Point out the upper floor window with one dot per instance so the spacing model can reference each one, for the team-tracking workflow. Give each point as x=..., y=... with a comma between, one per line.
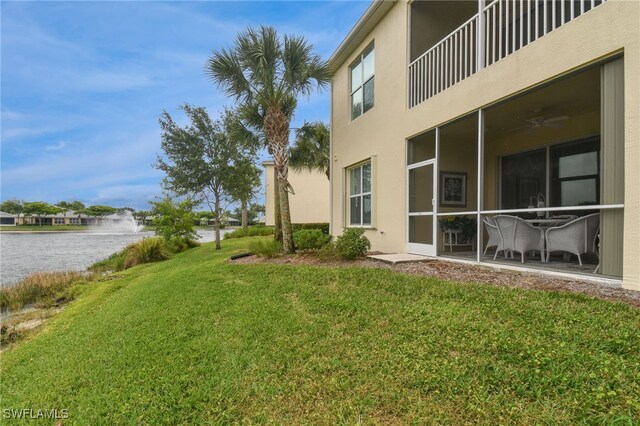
x=360, y=195
x=362, y=81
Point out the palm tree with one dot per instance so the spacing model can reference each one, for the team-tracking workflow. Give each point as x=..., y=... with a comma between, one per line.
x=311, y=148
x=266, y=75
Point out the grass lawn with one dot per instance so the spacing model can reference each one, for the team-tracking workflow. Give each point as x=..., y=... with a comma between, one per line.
x=194, y=340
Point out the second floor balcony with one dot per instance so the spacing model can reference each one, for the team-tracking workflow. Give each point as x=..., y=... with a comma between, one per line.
x=451, y=40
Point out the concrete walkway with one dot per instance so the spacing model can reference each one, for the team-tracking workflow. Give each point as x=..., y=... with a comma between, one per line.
x=395, y=258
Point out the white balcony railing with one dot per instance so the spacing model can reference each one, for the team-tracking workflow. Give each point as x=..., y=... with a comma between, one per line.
x=506, y=26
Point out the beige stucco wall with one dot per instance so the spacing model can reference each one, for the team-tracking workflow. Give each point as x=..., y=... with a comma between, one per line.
x=610, y=28
x=309, y=204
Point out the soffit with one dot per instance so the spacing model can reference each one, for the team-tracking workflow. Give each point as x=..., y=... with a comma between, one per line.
x=360, y=30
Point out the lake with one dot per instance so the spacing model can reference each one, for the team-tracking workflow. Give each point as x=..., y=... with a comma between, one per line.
x=22, y=253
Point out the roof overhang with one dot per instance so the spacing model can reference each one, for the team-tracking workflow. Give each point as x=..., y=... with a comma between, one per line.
x=374, y=13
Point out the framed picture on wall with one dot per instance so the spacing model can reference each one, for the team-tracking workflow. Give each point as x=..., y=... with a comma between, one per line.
x=453, y=189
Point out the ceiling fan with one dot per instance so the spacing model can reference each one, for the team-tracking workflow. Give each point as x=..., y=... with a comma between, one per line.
x=540, y=121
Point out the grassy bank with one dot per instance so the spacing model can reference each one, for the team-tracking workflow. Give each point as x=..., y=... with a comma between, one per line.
x=194, y=340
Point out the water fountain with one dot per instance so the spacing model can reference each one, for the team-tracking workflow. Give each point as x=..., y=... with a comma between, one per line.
x=122, y=222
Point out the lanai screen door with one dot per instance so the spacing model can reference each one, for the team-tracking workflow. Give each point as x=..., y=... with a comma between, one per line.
x=422, y=200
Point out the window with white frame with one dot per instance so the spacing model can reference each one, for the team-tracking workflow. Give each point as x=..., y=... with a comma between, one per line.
x=362, y=83
x=360, y=195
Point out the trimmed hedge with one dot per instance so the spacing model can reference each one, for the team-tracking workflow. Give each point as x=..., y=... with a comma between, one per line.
x=310, y=239
x=324, y=227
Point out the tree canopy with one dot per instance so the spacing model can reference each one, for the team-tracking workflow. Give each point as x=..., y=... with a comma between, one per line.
x=99, y=210
x=12, y=206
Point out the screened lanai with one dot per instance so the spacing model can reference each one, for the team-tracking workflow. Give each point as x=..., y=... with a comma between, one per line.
x=536, y=180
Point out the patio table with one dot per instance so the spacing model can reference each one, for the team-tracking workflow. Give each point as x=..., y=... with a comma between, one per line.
x=548, y=222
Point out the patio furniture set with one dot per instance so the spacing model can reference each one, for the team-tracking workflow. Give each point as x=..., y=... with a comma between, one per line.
x=510, y=234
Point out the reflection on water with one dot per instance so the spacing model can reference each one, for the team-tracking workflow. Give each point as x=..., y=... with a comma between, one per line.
x=22, y=253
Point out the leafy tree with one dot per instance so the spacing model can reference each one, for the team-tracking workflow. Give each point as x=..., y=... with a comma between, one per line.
x=99, y=210
x=142, y=214
x=39, y=209
x=253, y=212
x=204, y=216
x=200, y=160
x=311, y=148
x=266, y=75
x=12, y=206
x=245, y=187
x=76, y=206
x=175, y=219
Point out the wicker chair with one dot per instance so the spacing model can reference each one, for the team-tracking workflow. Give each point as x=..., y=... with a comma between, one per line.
x=577, y=237
x=495, y=240
x=520, y=236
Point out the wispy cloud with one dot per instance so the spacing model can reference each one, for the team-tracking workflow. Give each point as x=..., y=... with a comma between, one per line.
x=57, y=147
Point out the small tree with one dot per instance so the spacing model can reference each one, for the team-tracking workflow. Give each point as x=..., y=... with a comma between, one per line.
x=175, y=219
x=99, y=211
x=39, y=209
x=245, y=187
x=12, y=206
x=200, y=160
x=73, y=205
x=253, y=212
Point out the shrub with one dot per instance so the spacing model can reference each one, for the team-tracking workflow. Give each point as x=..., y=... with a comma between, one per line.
x=115, y=262
x=266, y=248
x=145, y=251
x=327, y=252
x=251, y=231
x=174, y=219
x=352, y=244
x=37, y=287
x=310, y=239
x=180, y=244
x=324, y=227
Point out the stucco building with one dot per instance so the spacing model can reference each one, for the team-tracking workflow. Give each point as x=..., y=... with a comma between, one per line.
x=465, y=111
x=310, y=201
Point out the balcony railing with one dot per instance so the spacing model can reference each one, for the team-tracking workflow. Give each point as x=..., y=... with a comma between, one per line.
x=506, y=26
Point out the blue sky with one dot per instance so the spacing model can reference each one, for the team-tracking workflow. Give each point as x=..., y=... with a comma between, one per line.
x=83, y=85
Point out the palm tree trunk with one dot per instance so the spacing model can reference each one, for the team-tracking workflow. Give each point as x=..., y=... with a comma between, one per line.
x=285, y=212
x=244, y=215
x=276, y=127
x=277, y=220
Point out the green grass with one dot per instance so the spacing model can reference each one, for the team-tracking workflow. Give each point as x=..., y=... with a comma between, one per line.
x=194, y=340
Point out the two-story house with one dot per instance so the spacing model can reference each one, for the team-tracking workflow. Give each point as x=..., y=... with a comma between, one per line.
x=503, y=132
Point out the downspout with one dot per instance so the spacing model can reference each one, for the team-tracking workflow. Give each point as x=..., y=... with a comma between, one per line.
x=331, y=161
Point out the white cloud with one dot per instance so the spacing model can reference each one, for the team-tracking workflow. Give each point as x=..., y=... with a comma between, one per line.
x=57, y=147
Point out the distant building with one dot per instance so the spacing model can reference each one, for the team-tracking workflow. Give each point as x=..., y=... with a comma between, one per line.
x=7, y=219
x=310, y=201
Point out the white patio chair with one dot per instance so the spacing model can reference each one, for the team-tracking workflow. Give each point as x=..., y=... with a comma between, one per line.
x=520, y=236
x=577, y=237
x=495, y=240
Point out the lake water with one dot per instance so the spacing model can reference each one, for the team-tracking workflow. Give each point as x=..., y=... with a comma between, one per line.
x=22, y=253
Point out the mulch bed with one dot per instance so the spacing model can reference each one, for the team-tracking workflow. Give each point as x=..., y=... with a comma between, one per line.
x=460, y=272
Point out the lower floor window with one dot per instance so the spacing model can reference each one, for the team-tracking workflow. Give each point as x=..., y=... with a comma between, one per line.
x=360, y=195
